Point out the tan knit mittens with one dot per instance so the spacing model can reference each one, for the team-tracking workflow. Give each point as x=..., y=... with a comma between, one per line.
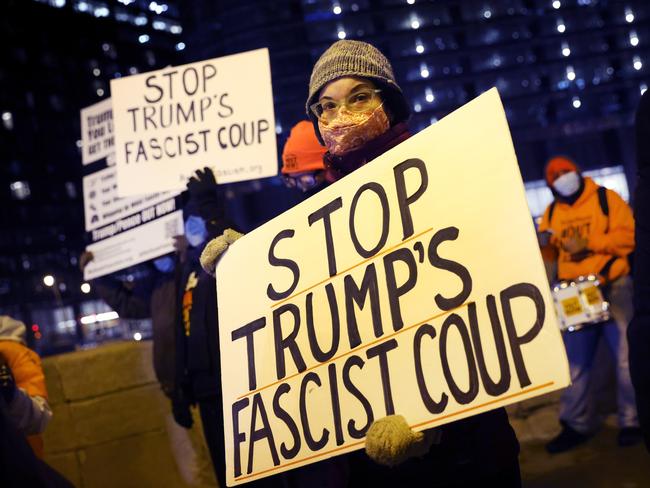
x=390, y=441
x=215, y=248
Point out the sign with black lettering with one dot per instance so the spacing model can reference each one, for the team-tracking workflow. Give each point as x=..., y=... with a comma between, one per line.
x=97, y=132
x=413, y=286
x=121, y=232
x=216, y=113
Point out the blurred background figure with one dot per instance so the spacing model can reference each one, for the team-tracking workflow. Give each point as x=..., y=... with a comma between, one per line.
x=22, y=383
x=24, y=412
x=155, y=296
x=591, y=230
x=19, y=466
x=302, y=159
x=197, y=360
x=639, y=331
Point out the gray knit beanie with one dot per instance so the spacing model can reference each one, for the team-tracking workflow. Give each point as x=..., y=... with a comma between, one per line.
x=357, y=58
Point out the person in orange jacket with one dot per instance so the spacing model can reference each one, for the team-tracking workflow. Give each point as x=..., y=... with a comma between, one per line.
x=22, y=384
x=591, y=231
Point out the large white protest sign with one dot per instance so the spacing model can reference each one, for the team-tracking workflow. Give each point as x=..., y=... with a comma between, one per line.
x=97, y=132
x=122, y=231
x=216, y=113
x=413, y=286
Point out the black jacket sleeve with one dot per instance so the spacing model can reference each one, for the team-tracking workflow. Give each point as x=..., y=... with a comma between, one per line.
x=128, y=303
x=212, y=209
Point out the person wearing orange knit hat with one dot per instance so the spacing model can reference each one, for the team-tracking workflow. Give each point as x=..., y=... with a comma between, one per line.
x=591, y=231
x=302, y=158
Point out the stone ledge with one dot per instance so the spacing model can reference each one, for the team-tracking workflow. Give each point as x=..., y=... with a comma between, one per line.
x=118, y=415
x=60, y=434
x=106, y=369
x=53, y=382
x=140, y=461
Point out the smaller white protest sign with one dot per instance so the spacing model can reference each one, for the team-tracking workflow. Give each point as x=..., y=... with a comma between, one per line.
x=96, y=132
x=216, y=113
x=141, y=243
x=102, y=205
x=122, y=231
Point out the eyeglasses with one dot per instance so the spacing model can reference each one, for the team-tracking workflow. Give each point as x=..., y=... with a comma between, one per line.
x=359, y=101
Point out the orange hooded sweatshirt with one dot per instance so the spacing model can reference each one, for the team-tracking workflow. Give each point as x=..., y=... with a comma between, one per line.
x=26, y=367
x=608, y=236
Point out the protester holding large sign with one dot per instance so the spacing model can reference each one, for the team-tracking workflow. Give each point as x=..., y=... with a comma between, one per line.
x=359, y=112
x=391, y=291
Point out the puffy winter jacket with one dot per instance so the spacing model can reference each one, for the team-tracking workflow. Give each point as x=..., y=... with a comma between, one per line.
x=610, y=237
x=29, y=410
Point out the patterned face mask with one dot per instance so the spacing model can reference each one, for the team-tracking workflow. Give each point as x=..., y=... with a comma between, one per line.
x=351, y=130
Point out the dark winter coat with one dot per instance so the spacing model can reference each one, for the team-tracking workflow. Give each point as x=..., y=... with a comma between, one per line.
x=639, y=329
x=155, y=297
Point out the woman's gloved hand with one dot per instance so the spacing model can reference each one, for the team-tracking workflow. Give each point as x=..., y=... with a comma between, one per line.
x=215, y=248
x=202, y=183
x=390, y=441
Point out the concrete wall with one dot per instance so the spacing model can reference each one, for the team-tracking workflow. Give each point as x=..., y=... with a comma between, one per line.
x=109, y=424
x=111, y=421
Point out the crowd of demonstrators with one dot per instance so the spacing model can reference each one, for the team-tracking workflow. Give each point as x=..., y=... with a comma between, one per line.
x=639, y=331
x=24, y=412
x=357, y=112
x=590, y=230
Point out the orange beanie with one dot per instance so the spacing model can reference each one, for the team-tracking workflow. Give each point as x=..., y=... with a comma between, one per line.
x=302, y=151
x=558, y=164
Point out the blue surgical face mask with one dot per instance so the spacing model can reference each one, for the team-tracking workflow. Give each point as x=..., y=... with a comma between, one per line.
x=195, y=230
x=164, y=264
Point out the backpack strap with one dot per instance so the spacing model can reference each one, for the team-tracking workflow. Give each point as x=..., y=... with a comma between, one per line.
x=551, y=209
x=604, y=205
x=604, y=271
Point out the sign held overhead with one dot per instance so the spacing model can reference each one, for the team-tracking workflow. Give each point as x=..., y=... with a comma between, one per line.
x=216, y=113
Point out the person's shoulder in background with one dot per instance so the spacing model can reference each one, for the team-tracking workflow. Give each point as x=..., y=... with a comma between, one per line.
x=643, y=132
